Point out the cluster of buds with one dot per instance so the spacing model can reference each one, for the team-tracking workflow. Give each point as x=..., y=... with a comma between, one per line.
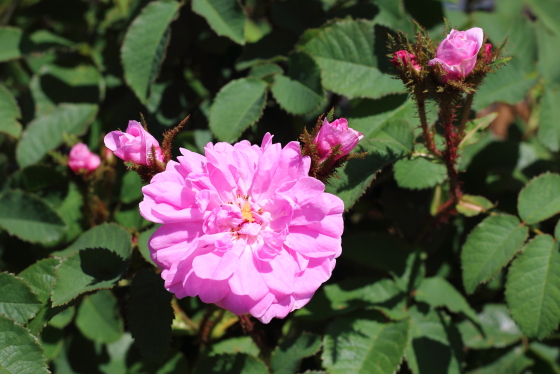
x=139, y=150
x=329, y=146
x=457, y=66
x=449, y=73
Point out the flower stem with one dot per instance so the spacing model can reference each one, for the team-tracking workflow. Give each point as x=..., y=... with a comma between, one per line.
x=428, y=136
x=450, y=154
x=249, y=328
x=465, y=118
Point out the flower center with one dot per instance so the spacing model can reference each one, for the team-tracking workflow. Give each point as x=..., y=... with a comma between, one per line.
x=246, y=212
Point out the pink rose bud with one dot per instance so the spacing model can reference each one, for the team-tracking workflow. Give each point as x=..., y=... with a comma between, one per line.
x=457, y=53
x=134, y=145
x=82, y=160
x=404, y=58
x=335, y=133
x=488, y=52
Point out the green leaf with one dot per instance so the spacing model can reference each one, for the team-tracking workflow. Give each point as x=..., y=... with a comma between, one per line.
x=498, y=329
x=40, y=277
x=264, y=70
x=107, y=235
x=354, y=293
x=545, y=10
x=301, y=91
x=370, y=115
x=514, y=362
x=98, y=318
x=548, y=54
x=533, y=287
x=546, y=358
x=344, y=52
x=150, y=315
x=131, y=187
x=62, y=319
x=386, y=252
x=20, y=353
x=242, y=344
x=474, y=128
x=46, y=132
x=145, y=44
x=540, y=198
x=439, y=292
x=9, y=113
x=17, y=300
x=13, y=43
x=435, y=344
x=392, y=15
x=287, y=356
x=230, y=364
x=29, y=217
x=89, y=269
x=509, y=85
x=238, y=105
x=471, y=206
x=387, y=145
x=419, y=173
x=557, y=230
x=56, y=84
x=51, y=340
x=489, y=247
x=143, y=239
x=71, y=212
x=364, y=344
x=39, y=179
x=175, y=363
x=118, y=352
x=549, y=131
x=225, y=17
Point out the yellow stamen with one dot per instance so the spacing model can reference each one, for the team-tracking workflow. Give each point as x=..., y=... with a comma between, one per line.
x=246, y=212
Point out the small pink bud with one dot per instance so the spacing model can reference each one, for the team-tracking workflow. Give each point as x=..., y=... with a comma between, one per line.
x=404, y=58
x=81, y=160
x=333, y=134
x=488, y=52
x=457, y=53
x=134, y=145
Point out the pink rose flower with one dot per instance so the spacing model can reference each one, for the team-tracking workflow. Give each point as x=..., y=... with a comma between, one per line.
x=334, y=133
x=134, y=145
x=81, y=160
x=244, y=228
x=404, y=59
x=457, y=53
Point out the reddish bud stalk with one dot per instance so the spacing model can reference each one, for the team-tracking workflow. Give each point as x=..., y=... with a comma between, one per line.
x=450, y=154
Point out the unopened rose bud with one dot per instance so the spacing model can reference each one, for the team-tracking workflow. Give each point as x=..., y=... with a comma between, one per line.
x=82, y=160
x=457, y=53
x=134, y=145
x=333, y=134
x=404, y=58
x=488, y=52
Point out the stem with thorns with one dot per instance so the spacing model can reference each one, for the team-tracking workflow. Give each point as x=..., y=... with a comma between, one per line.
x=465, y=118
x=450, y=153
x=428, y=136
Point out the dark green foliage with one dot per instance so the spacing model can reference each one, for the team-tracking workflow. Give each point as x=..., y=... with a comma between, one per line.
x=450, y=260
x=150, y=315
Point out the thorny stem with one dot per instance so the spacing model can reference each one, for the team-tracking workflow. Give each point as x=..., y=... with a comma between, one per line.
x=465, y=118
x=450, y=153
x=428, y=136
x=206, y=325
